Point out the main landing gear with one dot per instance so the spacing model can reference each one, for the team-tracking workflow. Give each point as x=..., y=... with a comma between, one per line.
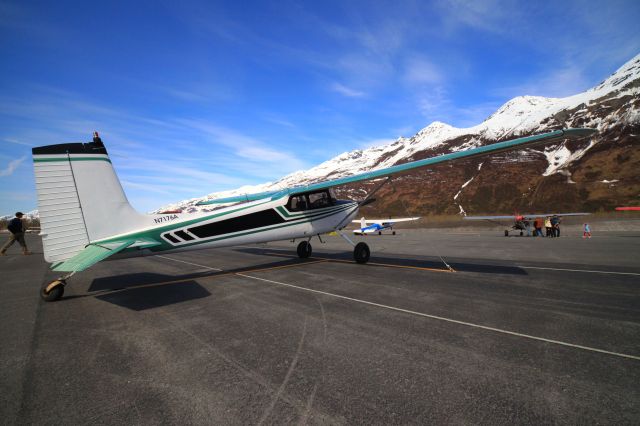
x=361, y=253
x=304, y=250
x=53, y=291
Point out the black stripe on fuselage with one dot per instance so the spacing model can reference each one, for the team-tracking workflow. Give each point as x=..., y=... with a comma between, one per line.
x=171, y=238
x=237, y=224
x=184, y=235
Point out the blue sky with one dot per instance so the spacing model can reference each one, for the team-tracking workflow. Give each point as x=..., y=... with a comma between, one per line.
x=193, y=97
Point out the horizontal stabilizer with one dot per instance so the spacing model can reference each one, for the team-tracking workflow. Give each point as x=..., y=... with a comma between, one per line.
x=91, y=255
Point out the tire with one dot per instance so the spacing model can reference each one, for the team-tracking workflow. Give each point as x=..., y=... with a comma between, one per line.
x=379, y=232
x=393, y=233
x=361, y=253
x=54, y=294
x=506, y=233
x=304, y=250
x=521, y=233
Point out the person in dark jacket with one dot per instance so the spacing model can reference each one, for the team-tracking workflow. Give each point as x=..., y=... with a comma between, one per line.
x=16, y=233
x=96, y=138
x=555, y=224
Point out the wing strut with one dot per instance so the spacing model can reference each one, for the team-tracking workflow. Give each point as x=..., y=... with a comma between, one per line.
x=347, y=239
x=368, y=199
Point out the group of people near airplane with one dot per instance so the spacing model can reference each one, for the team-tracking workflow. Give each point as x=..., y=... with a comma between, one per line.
x=550, y=223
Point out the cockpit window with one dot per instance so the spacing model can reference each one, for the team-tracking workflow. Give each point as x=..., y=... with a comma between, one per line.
x=318, y=200
x=314, y=200
x=297, y=203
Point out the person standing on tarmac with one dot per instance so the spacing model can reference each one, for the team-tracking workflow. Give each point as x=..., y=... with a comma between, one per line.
x=555, y=226
x=537, y=224
x=547, y=224
x=16, y=233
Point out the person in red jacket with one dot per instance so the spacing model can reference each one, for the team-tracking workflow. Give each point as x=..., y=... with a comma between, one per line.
x=538, y=223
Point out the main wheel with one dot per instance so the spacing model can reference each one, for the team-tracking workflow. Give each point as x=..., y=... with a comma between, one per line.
x=53, y=291
x=379, y=232
x=506, y=233
x=304, y=250
x=393, y=233
x=521, y=233
x=361, y=253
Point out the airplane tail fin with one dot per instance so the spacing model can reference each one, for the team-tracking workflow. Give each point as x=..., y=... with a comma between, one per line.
x=80, y=198
x=363, y=223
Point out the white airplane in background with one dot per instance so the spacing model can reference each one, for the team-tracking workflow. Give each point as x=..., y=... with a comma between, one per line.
x=378, y=225
x=85, y=216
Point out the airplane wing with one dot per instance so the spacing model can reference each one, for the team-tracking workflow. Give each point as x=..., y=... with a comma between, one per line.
x=381, y=221
x=512, y=217
x=524, y=216
x=526, y=142
x=401, y=219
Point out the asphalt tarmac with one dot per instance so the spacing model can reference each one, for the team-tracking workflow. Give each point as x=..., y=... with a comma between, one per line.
x=519, y=331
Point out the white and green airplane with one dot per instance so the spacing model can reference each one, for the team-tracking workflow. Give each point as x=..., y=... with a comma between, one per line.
x=86, y=218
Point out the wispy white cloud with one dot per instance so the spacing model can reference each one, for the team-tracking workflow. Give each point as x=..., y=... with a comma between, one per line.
x=561, y=82
x=272, y=118
x=346, y=91
x=419, y=70
x=12, y=166
x=247, y=147
x=432, y=101
x=18, y=142
x=487, y=15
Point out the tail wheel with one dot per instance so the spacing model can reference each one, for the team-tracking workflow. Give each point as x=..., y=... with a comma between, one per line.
x=53, y=291
x=361, y=253
x=304, y=250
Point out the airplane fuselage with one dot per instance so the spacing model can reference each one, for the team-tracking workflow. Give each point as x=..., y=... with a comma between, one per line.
x=249, y=223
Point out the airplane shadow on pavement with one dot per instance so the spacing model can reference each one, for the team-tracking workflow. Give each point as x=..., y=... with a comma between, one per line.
x=377, y=260
x=146, y=290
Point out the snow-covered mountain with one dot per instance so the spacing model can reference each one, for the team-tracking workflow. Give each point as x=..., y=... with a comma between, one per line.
x=612, y=104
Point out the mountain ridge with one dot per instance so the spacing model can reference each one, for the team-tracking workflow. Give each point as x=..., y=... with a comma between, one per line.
x=613, y=103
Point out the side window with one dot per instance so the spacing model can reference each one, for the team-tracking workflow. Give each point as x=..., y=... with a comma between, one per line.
x=319, y=199
x=297, y=203
x=332, y=195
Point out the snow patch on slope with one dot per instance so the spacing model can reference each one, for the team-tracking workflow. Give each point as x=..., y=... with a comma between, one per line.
x=561, y=157
x=455, y=197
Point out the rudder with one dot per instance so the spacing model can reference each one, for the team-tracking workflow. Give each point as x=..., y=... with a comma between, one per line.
x=80, y=198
